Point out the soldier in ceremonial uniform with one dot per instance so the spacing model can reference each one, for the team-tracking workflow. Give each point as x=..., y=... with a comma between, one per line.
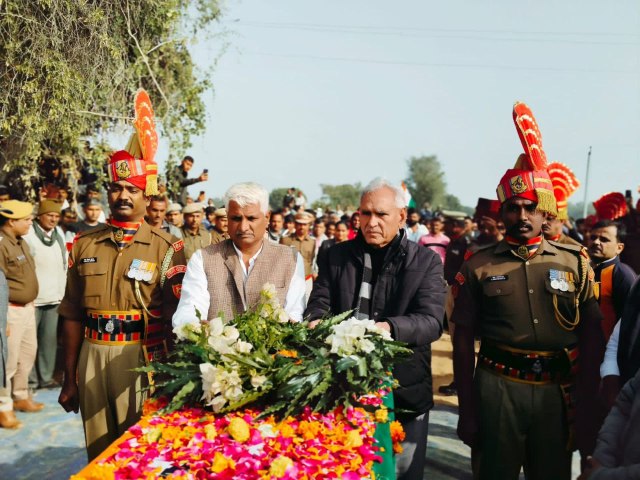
x=123, y=286
x=531, y=302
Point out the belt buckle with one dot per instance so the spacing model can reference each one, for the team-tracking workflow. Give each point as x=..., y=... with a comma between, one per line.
x=110, y=326
x=537, y=366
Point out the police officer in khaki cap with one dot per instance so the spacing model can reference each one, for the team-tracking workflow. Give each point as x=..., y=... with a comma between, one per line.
x=194, y=234
x=302, y=242
x=123, y=285
x=17, y=263
x=220, y=226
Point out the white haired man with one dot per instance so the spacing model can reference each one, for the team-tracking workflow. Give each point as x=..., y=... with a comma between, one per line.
x=227, y=277
x=396, y=282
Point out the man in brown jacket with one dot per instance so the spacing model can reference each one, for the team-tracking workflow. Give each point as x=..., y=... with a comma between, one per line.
x=19, y=268
x=226, y=278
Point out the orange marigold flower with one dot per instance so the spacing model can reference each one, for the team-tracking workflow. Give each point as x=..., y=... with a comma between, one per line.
x=397, y=432
x=354, y=439
x=397, y=448
x=288, y=353
x=221, y=463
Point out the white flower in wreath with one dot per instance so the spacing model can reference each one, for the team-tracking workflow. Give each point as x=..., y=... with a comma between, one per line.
x=257, y=381
x=350, y=336
x=269, y=291
x=222, y=337
x=189, y=330
x=243, y=347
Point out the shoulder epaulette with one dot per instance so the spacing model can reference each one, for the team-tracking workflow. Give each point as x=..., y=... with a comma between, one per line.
x=92, y=231
x=473, y=249
x=167, y=237
x=567, y=246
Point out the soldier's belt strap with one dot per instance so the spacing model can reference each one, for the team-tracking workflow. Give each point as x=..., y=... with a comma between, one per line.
x=528, y=366
x=116, y=327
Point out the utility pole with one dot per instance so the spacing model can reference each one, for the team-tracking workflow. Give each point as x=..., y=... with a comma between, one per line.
x=586, y=186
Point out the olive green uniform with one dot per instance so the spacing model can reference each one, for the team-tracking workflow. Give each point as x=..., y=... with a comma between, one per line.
x=19, y=267
x=217, y=237
x=306, y=247
x=521, y=307
x=125, y=299
x=194, y=242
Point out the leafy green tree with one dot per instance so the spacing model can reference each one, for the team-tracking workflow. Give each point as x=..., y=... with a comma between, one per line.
x=70, y=69
x=345, y=196
x=425, y=180
x=276, y=196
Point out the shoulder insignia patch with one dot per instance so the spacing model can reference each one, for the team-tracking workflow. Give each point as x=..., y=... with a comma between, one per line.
x=173, y=271
x=468, y=254
x=460, y=278
x=177, y=290
x=179, y=245
x=70, y=262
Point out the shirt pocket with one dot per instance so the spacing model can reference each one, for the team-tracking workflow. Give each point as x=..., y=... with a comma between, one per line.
x=565, y=301
x=497, y=289
x=94, y=279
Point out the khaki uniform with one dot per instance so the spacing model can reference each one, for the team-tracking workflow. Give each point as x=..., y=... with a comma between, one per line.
x=125, y=321
x=306, y=247
x=193, y=243
x=525, y=308
x=19, y=268
x=217, y=237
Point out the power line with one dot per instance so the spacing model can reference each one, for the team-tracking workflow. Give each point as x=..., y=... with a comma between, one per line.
x=440, y=65
x=446, y=33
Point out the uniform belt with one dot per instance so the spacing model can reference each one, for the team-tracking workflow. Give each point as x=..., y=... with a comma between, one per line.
x=528, y=366
x=115, y=326
x=13, y=304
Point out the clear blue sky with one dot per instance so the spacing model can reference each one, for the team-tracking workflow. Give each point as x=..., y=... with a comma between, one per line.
x=342, y=91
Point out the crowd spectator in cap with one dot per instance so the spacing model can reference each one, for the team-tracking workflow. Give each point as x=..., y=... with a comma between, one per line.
x=276, y=224
x=174, y=215
x=181, y=173
x=157, y=213
x=302, y=242
x=19, y=268
x=219, y=232
x=92, y=213
x=48, y=247
x=195, y=236
x=415, y=230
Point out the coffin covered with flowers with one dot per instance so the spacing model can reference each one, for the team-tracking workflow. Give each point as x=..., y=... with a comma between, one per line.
x=260, y=397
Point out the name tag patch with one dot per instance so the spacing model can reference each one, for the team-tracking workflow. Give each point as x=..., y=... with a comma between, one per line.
x=89, y=260
x=497, y=278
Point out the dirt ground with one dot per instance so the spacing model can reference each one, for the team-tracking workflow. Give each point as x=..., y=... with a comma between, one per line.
x=442, y=369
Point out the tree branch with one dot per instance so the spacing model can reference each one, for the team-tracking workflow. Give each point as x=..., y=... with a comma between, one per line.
x=116, y=117
x=146, y=61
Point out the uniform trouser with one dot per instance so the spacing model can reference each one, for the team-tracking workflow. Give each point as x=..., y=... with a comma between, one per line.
x=110, y=393
x=521, y=425
x=22, y=345
x=47, y=333
x=410, y=463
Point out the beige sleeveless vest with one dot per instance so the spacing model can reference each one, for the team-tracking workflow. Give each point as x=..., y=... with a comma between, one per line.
x=228, y=292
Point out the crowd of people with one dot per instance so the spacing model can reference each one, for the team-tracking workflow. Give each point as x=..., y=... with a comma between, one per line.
x=552, y=302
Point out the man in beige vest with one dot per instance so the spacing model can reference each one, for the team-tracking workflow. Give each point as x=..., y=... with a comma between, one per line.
x=226, y=278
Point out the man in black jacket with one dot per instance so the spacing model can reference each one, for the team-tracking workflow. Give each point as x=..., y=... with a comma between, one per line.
x=400, y=285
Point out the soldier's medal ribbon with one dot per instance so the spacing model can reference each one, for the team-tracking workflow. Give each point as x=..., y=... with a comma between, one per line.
x=554, y=276
x=134, y=268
